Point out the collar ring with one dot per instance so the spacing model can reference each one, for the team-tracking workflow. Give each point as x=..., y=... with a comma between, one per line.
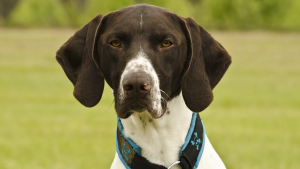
x=177, y=162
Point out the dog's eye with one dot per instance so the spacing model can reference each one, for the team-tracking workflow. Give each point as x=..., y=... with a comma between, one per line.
x=116, y=43
x=166, y=43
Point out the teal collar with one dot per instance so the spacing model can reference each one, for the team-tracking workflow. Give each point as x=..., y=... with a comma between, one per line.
x=189, y=157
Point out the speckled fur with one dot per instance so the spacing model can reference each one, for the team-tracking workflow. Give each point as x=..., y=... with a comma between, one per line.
x=141, y=63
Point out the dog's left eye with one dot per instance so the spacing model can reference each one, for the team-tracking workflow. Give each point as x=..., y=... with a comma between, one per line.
x=116, y=43
x=166, y=43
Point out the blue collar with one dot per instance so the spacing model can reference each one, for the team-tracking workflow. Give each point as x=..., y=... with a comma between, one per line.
x=130, y=153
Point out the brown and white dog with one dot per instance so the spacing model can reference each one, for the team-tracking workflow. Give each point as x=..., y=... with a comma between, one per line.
x=161, y=67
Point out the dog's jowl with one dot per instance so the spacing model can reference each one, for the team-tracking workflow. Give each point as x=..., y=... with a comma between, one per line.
x=162, y=69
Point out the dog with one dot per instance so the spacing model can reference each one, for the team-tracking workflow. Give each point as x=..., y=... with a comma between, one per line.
x=162, y=68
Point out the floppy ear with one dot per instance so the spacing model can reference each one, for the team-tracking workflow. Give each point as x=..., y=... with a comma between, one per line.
x=75, y=57
x=207, y=62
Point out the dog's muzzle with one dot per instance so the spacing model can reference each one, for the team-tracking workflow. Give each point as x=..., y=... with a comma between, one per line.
x=139, y=89
x=137, y=86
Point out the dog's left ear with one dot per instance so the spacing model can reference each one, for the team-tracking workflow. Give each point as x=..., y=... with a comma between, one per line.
x=207, y=62
x=76, y=59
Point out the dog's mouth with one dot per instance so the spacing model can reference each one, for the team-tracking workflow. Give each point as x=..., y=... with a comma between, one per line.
x=129, y=106
x=137, y=107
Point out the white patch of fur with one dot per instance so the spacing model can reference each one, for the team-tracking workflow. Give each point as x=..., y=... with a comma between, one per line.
x=141, y=22
x=142, y=64
x=161, y=139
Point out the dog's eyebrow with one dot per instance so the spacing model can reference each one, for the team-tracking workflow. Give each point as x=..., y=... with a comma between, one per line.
x=160, y=36
x=122, y=35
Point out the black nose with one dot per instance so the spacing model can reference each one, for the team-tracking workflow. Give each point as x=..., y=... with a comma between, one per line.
x=136, y=84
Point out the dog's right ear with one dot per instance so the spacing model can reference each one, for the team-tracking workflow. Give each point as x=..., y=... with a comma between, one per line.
x=75, y=57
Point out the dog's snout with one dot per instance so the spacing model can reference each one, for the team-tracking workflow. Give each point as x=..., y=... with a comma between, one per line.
x=138, y=83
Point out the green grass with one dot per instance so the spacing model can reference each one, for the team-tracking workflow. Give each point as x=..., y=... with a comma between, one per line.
x=254, y=121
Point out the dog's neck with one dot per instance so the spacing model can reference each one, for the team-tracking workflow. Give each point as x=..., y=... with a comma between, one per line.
x=160, y=139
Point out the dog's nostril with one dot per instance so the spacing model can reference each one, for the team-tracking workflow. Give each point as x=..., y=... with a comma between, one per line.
x=145, y=87
x=128, y=88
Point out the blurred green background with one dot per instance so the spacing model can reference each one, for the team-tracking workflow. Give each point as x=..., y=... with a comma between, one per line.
x=253, y=123
x=212, y=14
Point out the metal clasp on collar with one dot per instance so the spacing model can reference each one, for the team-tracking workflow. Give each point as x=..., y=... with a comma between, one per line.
x=177, y=162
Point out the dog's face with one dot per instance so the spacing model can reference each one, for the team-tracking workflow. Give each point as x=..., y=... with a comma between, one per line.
x=141, y=52
x=147, y=55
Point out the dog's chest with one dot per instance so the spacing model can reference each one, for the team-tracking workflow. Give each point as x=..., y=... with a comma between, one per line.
x=160, y=139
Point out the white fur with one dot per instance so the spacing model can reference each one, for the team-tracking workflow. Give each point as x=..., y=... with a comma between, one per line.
x=161, y=139
x=142, y=64
x=141, y=22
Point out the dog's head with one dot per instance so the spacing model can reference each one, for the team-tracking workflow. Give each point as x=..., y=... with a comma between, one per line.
x=147, y=55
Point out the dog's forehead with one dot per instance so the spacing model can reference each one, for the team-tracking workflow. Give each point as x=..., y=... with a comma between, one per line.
x=139, y=17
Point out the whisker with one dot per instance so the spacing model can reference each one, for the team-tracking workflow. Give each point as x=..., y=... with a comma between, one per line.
x=164, y=100
x=165, y=93
x=110, y=105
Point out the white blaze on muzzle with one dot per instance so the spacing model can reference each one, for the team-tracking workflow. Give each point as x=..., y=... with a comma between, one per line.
x=141, y=63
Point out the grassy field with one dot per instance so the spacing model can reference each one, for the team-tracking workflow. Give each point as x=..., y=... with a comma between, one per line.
x=253, y=123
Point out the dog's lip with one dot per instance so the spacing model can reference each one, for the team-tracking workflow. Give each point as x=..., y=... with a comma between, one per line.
x=131, y=105
x=125, y=116
x=129, y=101
x=138, y=107
x=125, y=109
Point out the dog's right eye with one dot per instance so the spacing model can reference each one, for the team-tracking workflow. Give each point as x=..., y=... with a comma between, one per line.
x=116, y=43
x=166, y=43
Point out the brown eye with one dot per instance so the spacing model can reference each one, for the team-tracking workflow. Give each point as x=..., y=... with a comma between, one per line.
x=166, y=43
x=116, y=43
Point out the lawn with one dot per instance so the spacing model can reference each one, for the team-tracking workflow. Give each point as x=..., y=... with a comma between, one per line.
x=253, y=123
